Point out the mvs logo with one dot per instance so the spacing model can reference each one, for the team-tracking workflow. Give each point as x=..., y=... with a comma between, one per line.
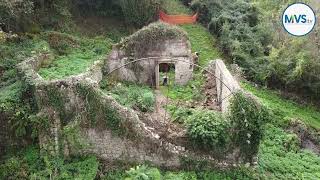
x=298, y=19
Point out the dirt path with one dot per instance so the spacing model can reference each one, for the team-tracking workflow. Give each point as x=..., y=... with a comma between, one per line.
x=159, y=121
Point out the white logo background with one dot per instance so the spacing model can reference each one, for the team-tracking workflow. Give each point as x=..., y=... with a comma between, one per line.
x=299, y=29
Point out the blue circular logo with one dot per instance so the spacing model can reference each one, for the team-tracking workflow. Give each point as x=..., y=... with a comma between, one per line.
x=298, y=19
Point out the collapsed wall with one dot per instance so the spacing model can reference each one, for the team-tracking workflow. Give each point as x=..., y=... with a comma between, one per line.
x=76, y=117
x=154, y=44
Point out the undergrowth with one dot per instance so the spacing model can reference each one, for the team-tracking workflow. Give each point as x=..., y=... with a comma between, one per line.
x=203, y=42
x=75, y=55
x=29, y=163
x=285, y=109
x=138, y=97
x=175, y=7
x=147, y=172
x=280, y=156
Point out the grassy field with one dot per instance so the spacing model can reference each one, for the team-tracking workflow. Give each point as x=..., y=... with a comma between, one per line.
x=285, y=109
x=203, y=42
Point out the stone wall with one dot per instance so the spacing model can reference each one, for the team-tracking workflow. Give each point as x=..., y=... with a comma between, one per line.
x=68, y=104
x=226, y=84
x=175, y=51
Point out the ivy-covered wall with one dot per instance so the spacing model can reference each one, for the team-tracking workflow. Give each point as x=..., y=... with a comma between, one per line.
x=74, y=116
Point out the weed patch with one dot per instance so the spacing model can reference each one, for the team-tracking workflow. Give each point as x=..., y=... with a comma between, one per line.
x=280, y=157
x=285, y=109
x=135, y=96
x=78, y=59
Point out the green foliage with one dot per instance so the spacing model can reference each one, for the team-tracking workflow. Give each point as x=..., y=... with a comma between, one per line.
x=174, y=7
x=265, y=56
x=139, y=12
x=242, y=37
x=30, y=164
x=155, y=33
x=295, y=68
x=99, y=7
x=78, y=54
x=203, y=42
x=285, y=109
x=281, y=157
x=135, y=96
x=16, y=15
x=247, y=118
x=180, y=114
x=61, y=42
x=16, y=116
x=143, y=173
x=189, y=92
x=149, y=173
x=11, y=53
x=100, y=114
x=15, y=97
x=208, y=129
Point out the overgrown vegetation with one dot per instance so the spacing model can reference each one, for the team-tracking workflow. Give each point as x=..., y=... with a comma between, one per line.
x=30, y=164
x=148, y=36
x=247, y=119
x=174, y=7
x=138, y=97
x=208, y=129
x=139, y=12
x=99, y=113
x=146, y=172
x=240, y=27
x=280, y=156
x=284, y=109
x=75, y=54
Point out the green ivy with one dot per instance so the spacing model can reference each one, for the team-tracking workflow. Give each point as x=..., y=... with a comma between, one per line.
x=247, y=118
x=101, y=114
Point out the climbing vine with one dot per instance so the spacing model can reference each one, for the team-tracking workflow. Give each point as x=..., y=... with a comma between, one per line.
x=247, y=118
x=99, y=113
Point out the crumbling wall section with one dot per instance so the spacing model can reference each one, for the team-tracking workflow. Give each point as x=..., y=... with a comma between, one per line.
x=79, y=118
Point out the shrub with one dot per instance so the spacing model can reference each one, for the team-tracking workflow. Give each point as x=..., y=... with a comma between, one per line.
x=143, y=173
x=139, y=12
x=15, y=15
x=134, y=96
x=247, y=118
x=208, y=129
x=180, y=114
x=29, y=164
x=61, y=42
